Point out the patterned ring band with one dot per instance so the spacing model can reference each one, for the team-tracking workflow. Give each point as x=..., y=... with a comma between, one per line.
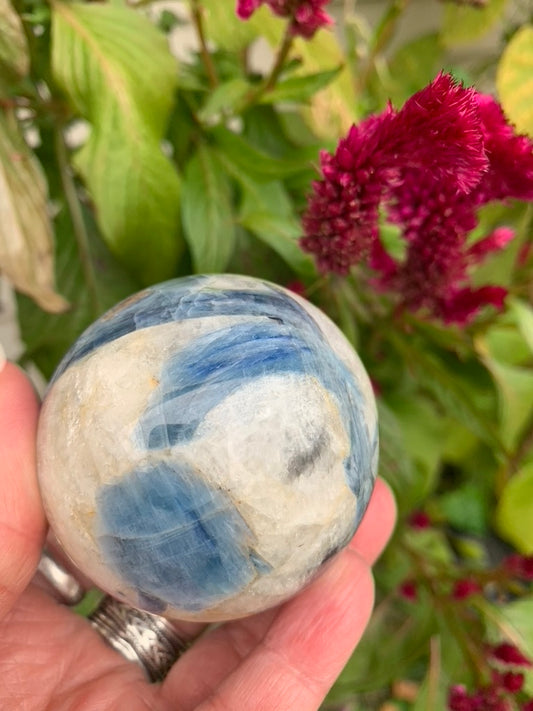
x=141, y=637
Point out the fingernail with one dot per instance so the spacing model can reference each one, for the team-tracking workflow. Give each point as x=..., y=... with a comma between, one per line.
x=3, y=358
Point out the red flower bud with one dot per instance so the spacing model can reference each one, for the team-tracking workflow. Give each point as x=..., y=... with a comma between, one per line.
x=408, y=590
x=465, y=588
x=509, y=654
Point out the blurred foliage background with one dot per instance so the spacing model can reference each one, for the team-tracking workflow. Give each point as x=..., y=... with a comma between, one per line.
x=143, y=141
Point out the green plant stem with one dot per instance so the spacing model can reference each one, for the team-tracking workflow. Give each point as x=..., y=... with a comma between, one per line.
x=270, y=81
x=78, y=223
x=381, y=37
x=198, y=22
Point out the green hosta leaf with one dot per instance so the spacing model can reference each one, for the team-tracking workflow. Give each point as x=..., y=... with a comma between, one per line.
x=514, y=515
x=14, y=57
x=117, y=70
x=300, y=88
x=463, y=24
x=208, y=221
x=515, y=80
x=26, y=245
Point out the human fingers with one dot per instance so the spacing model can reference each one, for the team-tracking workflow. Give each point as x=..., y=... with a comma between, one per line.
x=220, y=652
x=22, y=521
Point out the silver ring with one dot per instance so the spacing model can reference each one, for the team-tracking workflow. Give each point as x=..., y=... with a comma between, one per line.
x=141, y=637
x=149, y=640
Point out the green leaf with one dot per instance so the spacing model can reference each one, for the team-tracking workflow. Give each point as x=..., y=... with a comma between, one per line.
x=514, y=514
x=433, y=692
x=26, y=241
x=462, y=24
x=408, y=456
x=14, y=57
x=91, y=286
x=223, y=98
x=515, y=389
x=116, y=69
x=300, y=88
x=523, y=314
x=410, y=69
x=454, y=390
x=208, y=221
x=282, y=235
x=514, y=79
x=224, y=27
x=465, y=508
x=255, y=162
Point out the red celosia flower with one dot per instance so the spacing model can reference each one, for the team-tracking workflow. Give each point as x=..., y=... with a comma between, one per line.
x=429, y=166
x=485, y=699
x=521, y=566
x=465, y=588
x=509, y=654
x=408, y=590
x=307, y=16
x=512, y=682
x=419, y=520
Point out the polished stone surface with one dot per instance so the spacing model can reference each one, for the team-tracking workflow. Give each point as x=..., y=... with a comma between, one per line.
x=206, y=446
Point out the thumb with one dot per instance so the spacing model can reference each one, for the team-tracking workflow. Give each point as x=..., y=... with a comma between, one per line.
x=22, y=521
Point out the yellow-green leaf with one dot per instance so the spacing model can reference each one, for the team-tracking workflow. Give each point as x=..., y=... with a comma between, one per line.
x=14, y=57
x=514, y=80
x=117, y=70
x=514, y=514
x=26, y=246
x=462, y=23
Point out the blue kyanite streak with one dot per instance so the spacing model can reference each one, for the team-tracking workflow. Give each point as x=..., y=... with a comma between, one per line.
x=175, y=539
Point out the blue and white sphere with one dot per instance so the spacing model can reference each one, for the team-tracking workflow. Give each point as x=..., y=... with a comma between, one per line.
x=206, y=446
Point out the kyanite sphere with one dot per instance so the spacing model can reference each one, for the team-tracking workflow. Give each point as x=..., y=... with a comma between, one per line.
x=206, y=446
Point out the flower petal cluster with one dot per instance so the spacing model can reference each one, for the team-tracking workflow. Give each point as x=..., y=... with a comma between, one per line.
x=307, y=16
x=428, y=167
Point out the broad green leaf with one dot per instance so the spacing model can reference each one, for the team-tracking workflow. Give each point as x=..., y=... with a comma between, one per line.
x=257, y=163
x=117, y=71
x=462, y=24
x=93, y=282
x=515, y=389
x=514, y=514
x=514, y=79
x=26, y=240
x=300, y=88
x=282, y=235
x=208, y=221
x=14, y=57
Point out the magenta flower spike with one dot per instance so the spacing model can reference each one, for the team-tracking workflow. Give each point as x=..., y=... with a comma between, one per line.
x=429, y=167
x=308, y=16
